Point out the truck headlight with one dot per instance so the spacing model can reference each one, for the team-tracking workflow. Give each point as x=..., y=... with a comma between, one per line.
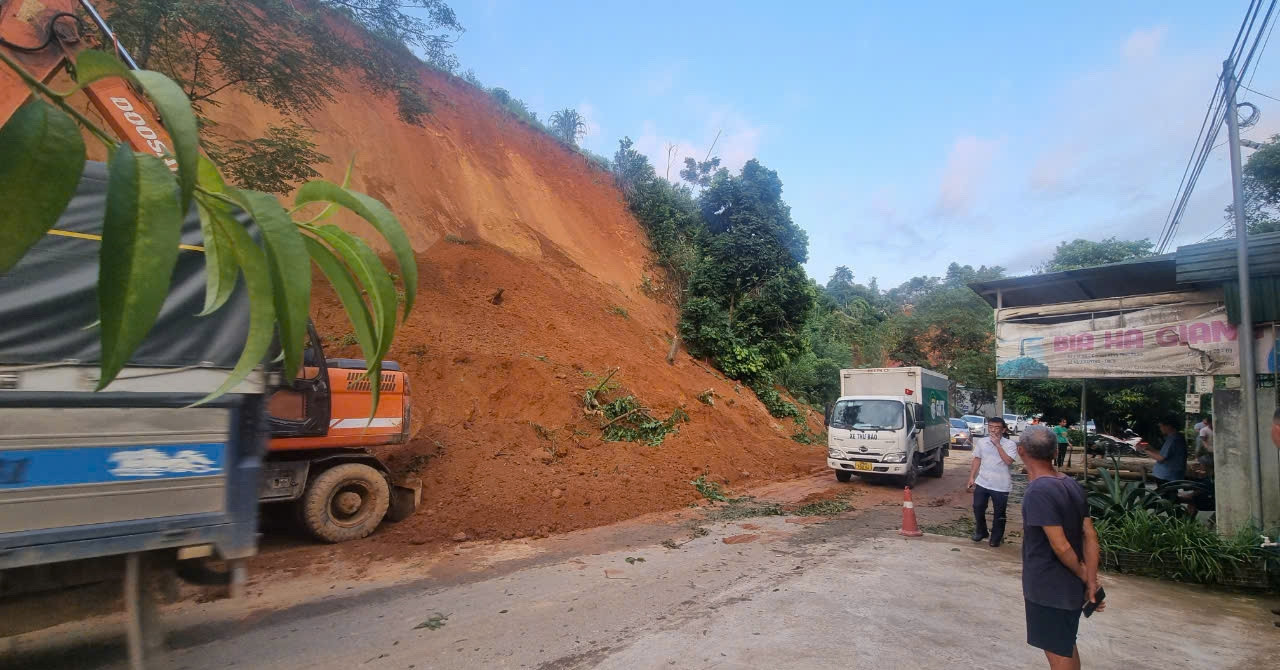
x=894, y=458
x=832, y=453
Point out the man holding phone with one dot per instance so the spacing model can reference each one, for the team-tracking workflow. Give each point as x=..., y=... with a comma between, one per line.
x=1059, y=553
x=989, y=479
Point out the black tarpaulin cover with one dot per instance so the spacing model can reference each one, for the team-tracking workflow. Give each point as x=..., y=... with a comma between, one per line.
x=49, y=301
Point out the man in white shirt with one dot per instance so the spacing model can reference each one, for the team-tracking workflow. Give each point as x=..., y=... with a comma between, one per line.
x=989, y=479
x=1204, y=442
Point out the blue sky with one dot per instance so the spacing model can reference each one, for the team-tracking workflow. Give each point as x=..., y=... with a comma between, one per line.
x=906, y=136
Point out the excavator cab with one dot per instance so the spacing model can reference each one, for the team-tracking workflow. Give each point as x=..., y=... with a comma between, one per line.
x=303, y=408
x=321, y=457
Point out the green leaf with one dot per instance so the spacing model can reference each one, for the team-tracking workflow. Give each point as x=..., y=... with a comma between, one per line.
x=330, y=208
x=290, y=272
x=140, y=235
x=180, y=121
x=380, y=217
x=348, y=291
x=262, y=314
x=209, y=178
x=92, y=65
x=219, y=259
x=373, y=276
x=41, y=158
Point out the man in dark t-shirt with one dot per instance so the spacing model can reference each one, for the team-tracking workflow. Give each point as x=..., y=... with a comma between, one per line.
x=1059, y=552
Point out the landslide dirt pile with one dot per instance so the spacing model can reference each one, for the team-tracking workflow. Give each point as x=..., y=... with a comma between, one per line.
x=501, y=439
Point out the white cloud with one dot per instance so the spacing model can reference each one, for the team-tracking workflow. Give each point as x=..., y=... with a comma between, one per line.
x=965, y=173
x=1144, y=44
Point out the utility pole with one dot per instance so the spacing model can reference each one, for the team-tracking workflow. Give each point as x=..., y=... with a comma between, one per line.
x=999, y=382
x=1244, y=332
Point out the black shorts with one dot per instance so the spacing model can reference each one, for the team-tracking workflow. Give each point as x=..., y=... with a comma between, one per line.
x=1052, y=629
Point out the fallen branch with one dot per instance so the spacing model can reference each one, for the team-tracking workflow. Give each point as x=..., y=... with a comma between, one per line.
x=623, y=416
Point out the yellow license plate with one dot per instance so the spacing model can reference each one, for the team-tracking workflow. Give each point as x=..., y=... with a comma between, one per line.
x=862, y=465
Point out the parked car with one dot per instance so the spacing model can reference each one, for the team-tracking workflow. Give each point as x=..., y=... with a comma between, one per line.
x=1015, y=423
x=1093, y=427
x=977, y=424
x=960, y=434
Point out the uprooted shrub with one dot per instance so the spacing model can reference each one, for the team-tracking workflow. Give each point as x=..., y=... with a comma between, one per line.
x=626, y=419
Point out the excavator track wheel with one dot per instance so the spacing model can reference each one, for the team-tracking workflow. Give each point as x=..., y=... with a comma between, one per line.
x=345, y=502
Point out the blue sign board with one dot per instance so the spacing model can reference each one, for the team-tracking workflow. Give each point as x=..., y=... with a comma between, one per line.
x=63, y=466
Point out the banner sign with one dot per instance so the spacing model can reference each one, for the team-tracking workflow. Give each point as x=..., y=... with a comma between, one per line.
x=1184, y=338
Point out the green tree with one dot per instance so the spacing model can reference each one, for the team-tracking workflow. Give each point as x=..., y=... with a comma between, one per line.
x=631, y=169
x=749, y=295
x=285, y=58
x=699, y=173
x=271, y=163
x=567, y=125
x=1261, y=213
x=1081, y=253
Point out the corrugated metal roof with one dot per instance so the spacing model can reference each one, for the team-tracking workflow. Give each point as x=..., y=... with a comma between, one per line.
x=1154, y=274
x=1264, y=299
x=1216, y=261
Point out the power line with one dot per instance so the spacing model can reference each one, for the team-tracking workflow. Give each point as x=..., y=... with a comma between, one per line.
x=1215, y=110
x=1269, y=97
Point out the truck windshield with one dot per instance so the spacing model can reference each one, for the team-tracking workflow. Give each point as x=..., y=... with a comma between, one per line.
x=867, y=414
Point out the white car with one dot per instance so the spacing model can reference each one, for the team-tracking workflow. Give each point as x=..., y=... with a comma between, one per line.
x=977, y=424
x=1015, y=423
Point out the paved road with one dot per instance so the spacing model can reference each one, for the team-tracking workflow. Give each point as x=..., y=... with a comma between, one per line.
x=753, y=593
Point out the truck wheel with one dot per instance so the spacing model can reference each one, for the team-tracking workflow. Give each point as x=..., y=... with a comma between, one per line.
x=935, y=470
x=345, y=502
x=843, y=475
x=913, y=473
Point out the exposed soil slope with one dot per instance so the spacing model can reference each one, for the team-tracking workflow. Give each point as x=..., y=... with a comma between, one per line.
x=501, y=439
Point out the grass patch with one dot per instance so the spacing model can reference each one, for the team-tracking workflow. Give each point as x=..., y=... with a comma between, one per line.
x=620, y=311
x=707, y=397
x=346, y=340
x=454, y=239
x=805, y=436
x=711, y=490
x=745, y=508
x=632, y=560
x=831, y=507
x=958, y=527
x=434, y=622
x=670, y=544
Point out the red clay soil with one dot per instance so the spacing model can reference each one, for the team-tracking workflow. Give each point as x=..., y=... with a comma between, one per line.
x=527, y=216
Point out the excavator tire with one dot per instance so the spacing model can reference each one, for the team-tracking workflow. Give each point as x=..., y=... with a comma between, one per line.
x=345, y=502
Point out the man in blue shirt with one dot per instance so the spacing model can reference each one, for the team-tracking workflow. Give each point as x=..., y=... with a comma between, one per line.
x=1059, y=552
x=1171, y=461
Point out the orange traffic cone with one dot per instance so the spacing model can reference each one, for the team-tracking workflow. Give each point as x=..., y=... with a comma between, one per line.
x=909, y=527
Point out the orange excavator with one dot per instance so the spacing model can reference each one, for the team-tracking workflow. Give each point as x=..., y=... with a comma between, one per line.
x=320, y=456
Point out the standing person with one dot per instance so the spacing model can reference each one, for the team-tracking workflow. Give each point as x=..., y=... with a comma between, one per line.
x=1171, y=460
x=1064, y=441
x=1059, y=552
x=1204, y=443
x=989, y=479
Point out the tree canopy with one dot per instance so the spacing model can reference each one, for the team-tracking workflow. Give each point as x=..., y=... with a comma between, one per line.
x=568, y=125
x=1080, y=253
x=285, y=58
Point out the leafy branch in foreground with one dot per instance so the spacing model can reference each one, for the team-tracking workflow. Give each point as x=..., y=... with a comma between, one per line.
x=42, y=156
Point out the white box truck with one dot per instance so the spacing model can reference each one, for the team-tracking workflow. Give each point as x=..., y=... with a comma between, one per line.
x=889, y=423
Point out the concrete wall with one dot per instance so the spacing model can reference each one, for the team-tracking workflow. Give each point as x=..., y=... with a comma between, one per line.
x=1233, y=465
